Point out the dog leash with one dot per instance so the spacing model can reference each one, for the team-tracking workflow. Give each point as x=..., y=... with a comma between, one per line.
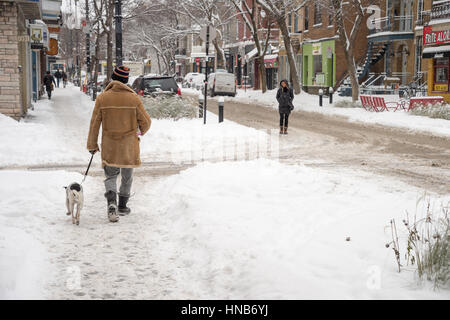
x=87, y=171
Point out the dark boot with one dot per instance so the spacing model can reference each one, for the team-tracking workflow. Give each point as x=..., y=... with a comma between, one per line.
x=112, y=206
x=285, y=130
x=281, y=129
x=123, y=209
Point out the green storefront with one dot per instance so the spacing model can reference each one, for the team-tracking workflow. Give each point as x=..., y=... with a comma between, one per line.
x=319, y=65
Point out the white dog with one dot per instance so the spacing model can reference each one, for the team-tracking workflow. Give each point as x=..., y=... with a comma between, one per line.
x=74, y=196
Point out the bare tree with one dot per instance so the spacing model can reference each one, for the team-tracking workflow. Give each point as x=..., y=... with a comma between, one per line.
x=279, y=9
x=253, y=20
x=216, y=13
x=349, y=17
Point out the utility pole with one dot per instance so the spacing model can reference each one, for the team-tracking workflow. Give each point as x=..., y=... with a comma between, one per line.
x=118, y=20
x=206, y=74
x=88, y=51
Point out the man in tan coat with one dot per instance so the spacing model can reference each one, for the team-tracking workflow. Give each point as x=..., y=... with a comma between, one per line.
x=120, y=112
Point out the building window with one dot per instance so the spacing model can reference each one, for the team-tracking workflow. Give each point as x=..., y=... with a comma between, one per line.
x=441, y=71
x=290, y=22
x=317, y=14
x=306, y=18
x=317, y=64
x=418, y=64
x=420, y=9
x=296, y=22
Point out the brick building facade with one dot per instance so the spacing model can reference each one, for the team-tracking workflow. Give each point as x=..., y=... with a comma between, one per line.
x=13, y=93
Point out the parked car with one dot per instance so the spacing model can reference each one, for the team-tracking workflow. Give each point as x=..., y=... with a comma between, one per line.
x=187, y=81
x=154, y=85
x=198, y=81
x=222, y=83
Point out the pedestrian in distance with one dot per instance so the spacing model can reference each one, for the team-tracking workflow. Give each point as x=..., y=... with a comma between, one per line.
x=49, y=81
x=121, y=114
x=58, y=76
x=64, y=78
x=285, y=96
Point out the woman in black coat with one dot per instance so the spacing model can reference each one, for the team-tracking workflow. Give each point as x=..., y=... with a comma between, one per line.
x=285, y=96
x=48, y=81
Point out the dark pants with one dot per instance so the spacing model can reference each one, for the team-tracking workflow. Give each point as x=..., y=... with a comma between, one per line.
x=49, y=92
x=57, y=81
x=284, y=119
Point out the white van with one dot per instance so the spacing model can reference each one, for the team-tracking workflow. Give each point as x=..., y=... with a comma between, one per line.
x=222, y=83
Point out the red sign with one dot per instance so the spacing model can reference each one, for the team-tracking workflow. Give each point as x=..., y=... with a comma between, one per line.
x=197, y=60
x=431, y=37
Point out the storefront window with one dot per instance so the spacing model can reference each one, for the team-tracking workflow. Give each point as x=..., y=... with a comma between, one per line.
x=441, y=70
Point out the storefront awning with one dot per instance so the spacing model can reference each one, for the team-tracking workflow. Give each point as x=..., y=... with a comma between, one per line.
x=251, y=54
x=436, y=52
x=270, y=57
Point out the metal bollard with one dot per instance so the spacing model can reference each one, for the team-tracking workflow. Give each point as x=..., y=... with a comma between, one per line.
x=221, y=104
x=320, y=98
x=201, y=98
x=331, y=91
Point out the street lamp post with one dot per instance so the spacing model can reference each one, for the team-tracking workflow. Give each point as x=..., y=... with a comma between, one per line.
x=88, y=51
x=118, y=21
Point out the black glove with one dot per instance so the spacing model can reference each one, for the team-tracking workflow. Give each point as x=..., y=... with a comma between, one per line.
x=93, y=152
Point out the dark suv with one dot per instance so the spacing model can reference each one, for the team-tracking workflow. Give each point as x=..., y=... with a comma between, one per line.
x=154, y=85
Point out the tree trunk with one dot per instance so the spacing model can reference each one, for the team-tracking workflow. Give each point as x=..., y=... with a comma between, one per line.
x=290, y=54
x=220, y=55
x=352, y=73
x=97, y=45
x=262, y=74
x=109, y=55
x=159, y=63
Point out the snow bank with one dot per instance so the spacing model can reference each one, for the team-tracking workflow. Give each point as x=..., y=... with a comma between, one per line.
x=56, y=132
x=310, y=103
x=189, y=139
x=264, y=230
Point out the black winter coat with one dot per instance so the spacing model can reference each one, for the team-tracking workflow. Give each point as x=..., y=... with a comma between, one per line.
x=285, y=96
x=48, y=80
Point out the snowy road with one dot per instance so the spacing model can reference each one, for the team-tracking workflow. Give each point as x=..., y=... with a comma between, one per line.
x=417, y=158
x=260, y=229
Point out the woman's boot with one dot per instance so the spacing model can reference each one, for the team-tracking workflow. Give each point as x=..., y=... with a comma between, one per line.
x=285, y=130
x=281, y=129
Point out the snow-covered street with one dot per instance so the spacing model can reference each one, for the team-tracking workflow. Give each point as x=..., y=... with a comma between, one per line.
x=264, y=228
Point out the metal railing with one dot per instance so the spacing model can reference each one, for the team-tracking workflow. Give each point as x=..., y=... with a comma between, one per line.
x=440, y=10
x=392, y=24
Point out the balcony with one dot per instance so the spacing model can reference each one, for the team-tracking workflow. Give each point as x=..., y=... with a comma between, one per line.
x=391, y=28
x=440, y=10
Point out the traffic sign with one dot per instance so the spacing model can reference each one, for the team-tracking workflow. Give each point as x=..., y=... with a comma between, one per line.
x=212, y=33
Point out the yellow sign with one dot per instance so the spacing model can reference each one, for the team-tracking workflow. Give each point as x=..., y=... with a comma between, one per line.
x=317, y=49
x=440, y=87
x=149, y=63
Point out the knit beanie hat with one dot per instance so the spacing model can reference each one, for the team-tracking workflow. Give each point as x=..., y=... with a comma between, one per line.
x=121, y=73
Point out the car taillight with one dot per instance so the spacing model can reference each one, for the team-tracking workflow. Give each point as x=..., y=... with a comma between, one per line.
x=141, y=92
x=179, y=91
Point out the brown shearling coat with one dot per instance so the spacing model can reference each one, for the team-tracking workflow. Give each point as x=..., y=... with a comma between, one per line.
x=120, y=112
